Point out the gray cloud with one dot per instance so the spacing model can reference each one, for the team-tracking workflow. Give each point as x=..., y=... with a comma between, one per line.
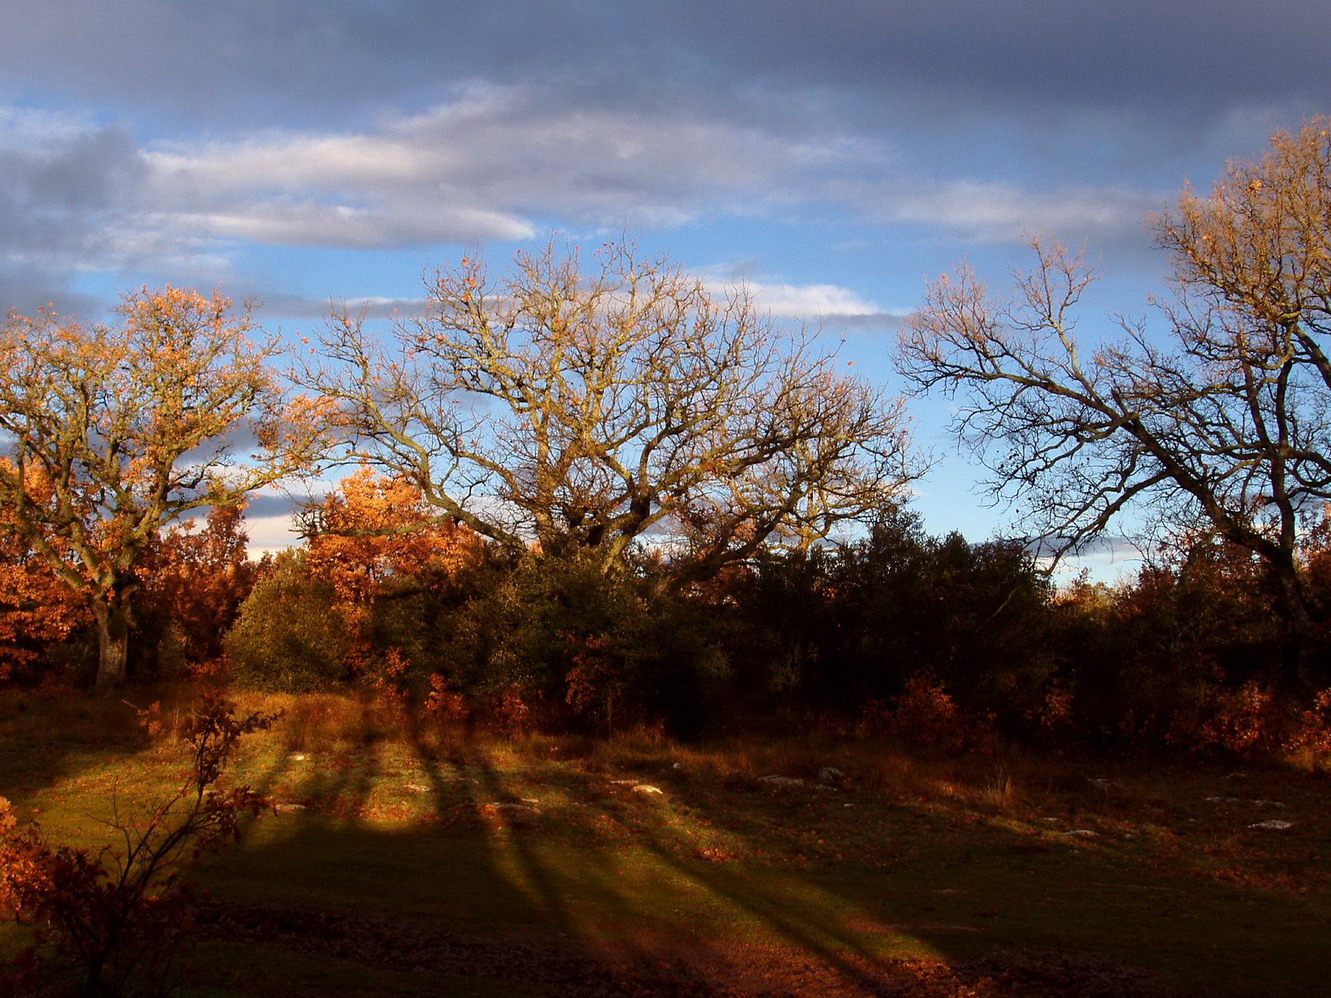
x=61, y=193
x=310, y=61
x=357, y=125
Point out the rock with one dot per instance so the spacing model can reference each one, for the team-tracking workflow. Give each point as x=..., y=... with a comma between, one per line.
x=830, y=776
x=288, y=808
x=782, y=782
x=1274, y=825
x=297, y=757
x=647, y=789
x=1222, y=800
x=417, y=788
x=1082, y=833
x=513, y=812
x=1268, y=803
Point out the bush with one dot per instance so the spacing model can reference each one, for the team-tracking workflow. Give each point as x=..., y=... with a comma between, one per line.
x=549, y=642
x=112, y=922
x=289, y=636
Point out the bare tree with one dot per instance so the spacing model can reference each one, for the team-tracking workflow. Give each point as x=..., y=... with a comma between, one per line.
x=583, y=411
x=112, y=433
x=1226, y=420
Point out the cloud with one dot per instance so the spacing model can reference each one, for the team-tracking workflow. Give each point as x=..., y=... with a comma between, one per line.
x=63, y=188
x=790, y=301
x=492, y=163
x=253, y=61
x=1001, y=212
x=482, y=166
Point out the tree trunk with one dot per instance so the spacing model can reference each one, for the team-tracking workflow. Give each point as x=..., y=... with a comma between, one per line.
x=112, y=644
x=1302, y=643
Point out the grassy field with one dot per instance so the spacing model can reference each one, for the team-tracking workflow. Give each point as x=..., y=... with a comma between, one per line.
x=421, y=863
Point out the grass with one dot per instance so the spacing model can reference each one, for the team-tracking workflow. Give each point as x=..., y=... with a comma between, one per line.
x=428, y=862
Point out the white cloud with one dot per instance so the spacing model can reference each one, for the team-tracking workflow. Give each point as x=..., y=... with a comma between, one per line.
x=1001, y=212
x=479, y=167
x=799, y=301
x=491, y=163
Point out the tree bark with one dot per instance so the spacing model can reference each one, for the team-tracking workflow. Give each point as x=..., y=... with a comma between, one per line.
x=1306, y=670
x=112, y=644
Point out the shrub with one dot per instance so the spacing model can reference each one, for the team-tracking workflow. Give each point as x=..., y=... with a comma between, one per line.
x=289, y=636
x=112, y=921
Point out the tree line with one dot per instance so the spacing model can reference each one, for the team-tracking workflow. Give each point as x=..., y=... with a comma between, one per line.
x=646, y=442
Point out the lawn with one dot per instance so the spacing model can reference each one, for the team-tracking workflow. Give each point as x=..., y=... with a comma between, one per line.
x=413, y=862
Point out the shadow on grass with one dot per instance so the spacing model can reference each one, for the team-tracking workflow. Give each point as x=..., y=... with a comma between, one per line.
x=47, y=740
x=608, y=881
x=421, y=862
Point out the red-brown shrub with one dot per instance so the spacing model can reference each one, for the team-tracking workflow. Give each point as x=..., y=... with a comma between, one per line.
x=112, y=921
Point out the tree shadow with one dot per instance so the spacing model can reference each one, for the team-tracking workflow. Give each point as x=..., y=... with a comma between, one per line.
x=45, y=740
x=427, y=853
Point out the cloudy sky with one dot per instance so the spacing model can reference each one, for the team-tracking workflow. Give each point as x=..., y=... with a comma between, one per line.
x=834, y=155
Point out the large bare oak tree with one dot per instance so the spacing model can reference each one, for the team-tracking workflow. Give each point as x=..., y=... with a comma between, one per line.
x=1224, y=417
x=585, y=410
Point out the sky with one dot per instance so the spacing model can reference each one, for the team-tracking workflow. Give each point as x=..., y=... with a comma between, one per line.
x=833, y=156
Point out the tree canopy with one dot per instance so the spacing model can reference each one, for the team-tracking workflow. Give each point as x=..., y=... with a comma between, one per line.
x=127, y=428
x=1225, y=417
x=583, y=411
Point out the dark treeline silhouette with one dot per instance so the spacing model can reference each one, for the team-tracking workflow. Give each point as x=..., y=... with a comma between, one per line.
x=946, y=643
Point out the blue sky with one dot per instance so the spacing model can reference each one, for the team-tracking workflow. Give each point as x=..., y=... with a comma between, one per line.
x=832, y=155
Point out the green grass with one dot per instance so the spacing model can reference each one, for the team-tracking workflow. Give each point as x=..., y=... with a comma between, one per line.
x=399, y=869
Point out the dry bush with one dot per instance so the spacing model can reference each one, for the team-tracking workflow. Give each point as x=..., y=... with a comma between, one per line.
x=111, y=922
x=1257, y=720
x=925, y=716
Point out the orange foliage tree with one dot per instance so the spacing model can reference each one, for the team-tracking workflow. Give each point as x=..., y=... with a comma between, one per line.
x=132, y=426
x=194, y=581
x=376, y=533
x=378, y=527
x=37, y=608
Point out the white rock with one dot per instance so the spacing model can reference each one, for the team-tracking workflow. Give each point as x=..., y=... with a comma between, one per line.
x=511, y=810
x=1082, y=833
x=647, y=789
x=288, y=808
x=417, y=788
x=784, y=782
x=1274, y=825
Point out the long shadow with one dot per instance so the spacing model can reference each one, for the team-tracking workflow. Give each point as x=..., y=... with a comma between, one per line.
x=1047, y=871
x=505, y=894
x=47, y=740
x=334, y=778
